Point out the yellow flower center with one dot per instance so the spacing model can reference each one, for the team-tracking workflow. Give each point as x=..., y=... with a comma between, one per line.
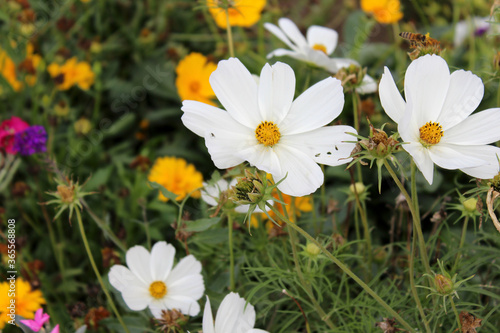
x=268, y=133
x=195, y=86
x=431, y=133
x=158, y=289
x=319, y=47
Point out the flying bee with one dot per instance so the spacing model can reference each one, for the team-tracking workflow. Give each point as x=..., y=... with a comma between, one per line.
x=419, y=39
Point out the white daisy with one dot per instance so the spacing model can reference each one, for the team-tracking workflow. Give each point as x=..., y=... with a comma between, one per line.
x=315, y=48
x=151, y=281
x=233, y=316
x=211, y=194
x=264, y=126
x=435, y=120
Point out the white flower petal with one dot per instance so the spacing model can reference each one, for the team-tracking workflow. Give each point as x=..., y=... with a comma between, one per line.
x=344, y=62
x=138, y=261
x=293, y=33
x=187, y=266
x=315, y=107
x=390, y=98
x=325, y=145
x=283, y=52
x=276, y=91
x=120, y=277
x=186, y=305
x=208, y=319
x=256, y=330
x=452, y=157
x=162, y=260
x=327, y=37
x=464, y=95
x=137, y=298
x=262, y=157
x=491, y=155
x=189, y=286
x=211, y=194
x=368, y=85
x=479, y=129
x=233, y=316
x=303, y=175
x=157, y=306
x=426, y=84
x=281, y=35
x=422, y=160
x=237, y=91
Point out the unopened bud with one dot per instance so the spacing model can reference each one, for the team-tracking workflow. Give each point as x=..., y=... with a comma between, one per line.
x=359, y=187
x=444, y=285
x=470, y=205
x=312, y=249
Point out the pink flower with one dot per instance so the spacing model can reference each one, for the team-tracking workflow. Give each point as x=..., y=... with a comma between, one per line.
x=8, y=128
x=40, y=318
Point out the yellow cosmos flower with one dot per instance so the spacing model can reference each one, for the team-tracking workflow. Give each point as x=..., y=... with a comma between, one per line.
x=72, y=73
x=27, y=300
x=242, y=13
x=8, y=71
x=177, y=176
x=384, y=11
x=192, y=82
x=301, y=205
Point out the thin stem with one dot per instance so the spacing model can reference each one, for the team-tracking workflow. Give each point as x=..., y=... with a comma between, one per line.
x=366, y=229
x=462, y=241
x=96, y=271
x=456, y=313
x=412, y=283
x=346, y=270
x=104, y=227
x=229, y=35
x=355, y=111
x=232, y=284
x=416, y=220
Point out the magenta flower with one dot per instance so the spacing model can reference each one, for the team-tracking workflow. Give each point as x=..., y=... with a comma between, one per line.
x=37, y=323
x=8, y=128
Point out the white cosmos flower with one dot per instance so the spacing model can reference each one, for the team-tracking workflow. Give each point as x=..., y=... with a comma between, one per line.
x=233, y=316
x=435, y=120
x=150, y=280
x=211, y=194
x=266, y=127
x=315, y=48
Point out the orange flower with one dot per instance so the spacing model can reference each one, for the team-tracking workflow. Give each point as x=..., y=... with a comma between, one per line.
x=8, y=71
x=177, y=176
x=300, y=205
x=242, y=13
x=30, y=65
x=192, y=82
x=384, y=11
x=27, y=300
x=72, y=73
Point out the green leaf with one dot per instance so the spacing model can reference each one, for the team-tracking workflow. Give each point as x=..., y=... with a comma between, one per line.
x=164, y=191
x=202, y=224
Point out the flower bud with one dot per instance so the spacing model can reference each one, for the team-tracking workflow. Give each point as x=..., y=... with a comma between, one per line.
x=470, y=205
x=312, y=249
x=360, y=188
x=444, y=285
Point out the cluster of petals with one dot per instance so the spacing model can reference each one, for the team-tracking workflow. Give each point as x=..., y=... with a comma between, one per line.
x=18, y=137
x=151, y=280
x=303, y=139
x=192, y=82
x=240, y=13
x=384, y=11
x=315, y=48
x=234, y=315
x=444, y=101
x=72, y=72
x=36, y=324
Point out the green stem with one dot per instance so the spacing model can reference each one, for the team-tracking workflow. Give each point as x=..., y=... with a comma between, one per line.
x=414, y=212
x=412, y=283
x=96, y=271
x=462, y=242
x=229, y=35
x=232, y=284
x=355, y=111
x=104, y=227
x=456, y=313
x=345, y=269
x=303, y=282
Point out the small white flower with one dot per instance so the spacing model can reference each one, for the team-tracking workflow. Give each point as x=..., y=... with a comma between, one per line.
x=316, y=48
x=435, y=120
x=476, y=26
x=266, y=127
x=151, y=281
x=233, y=316
x=211, y=194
